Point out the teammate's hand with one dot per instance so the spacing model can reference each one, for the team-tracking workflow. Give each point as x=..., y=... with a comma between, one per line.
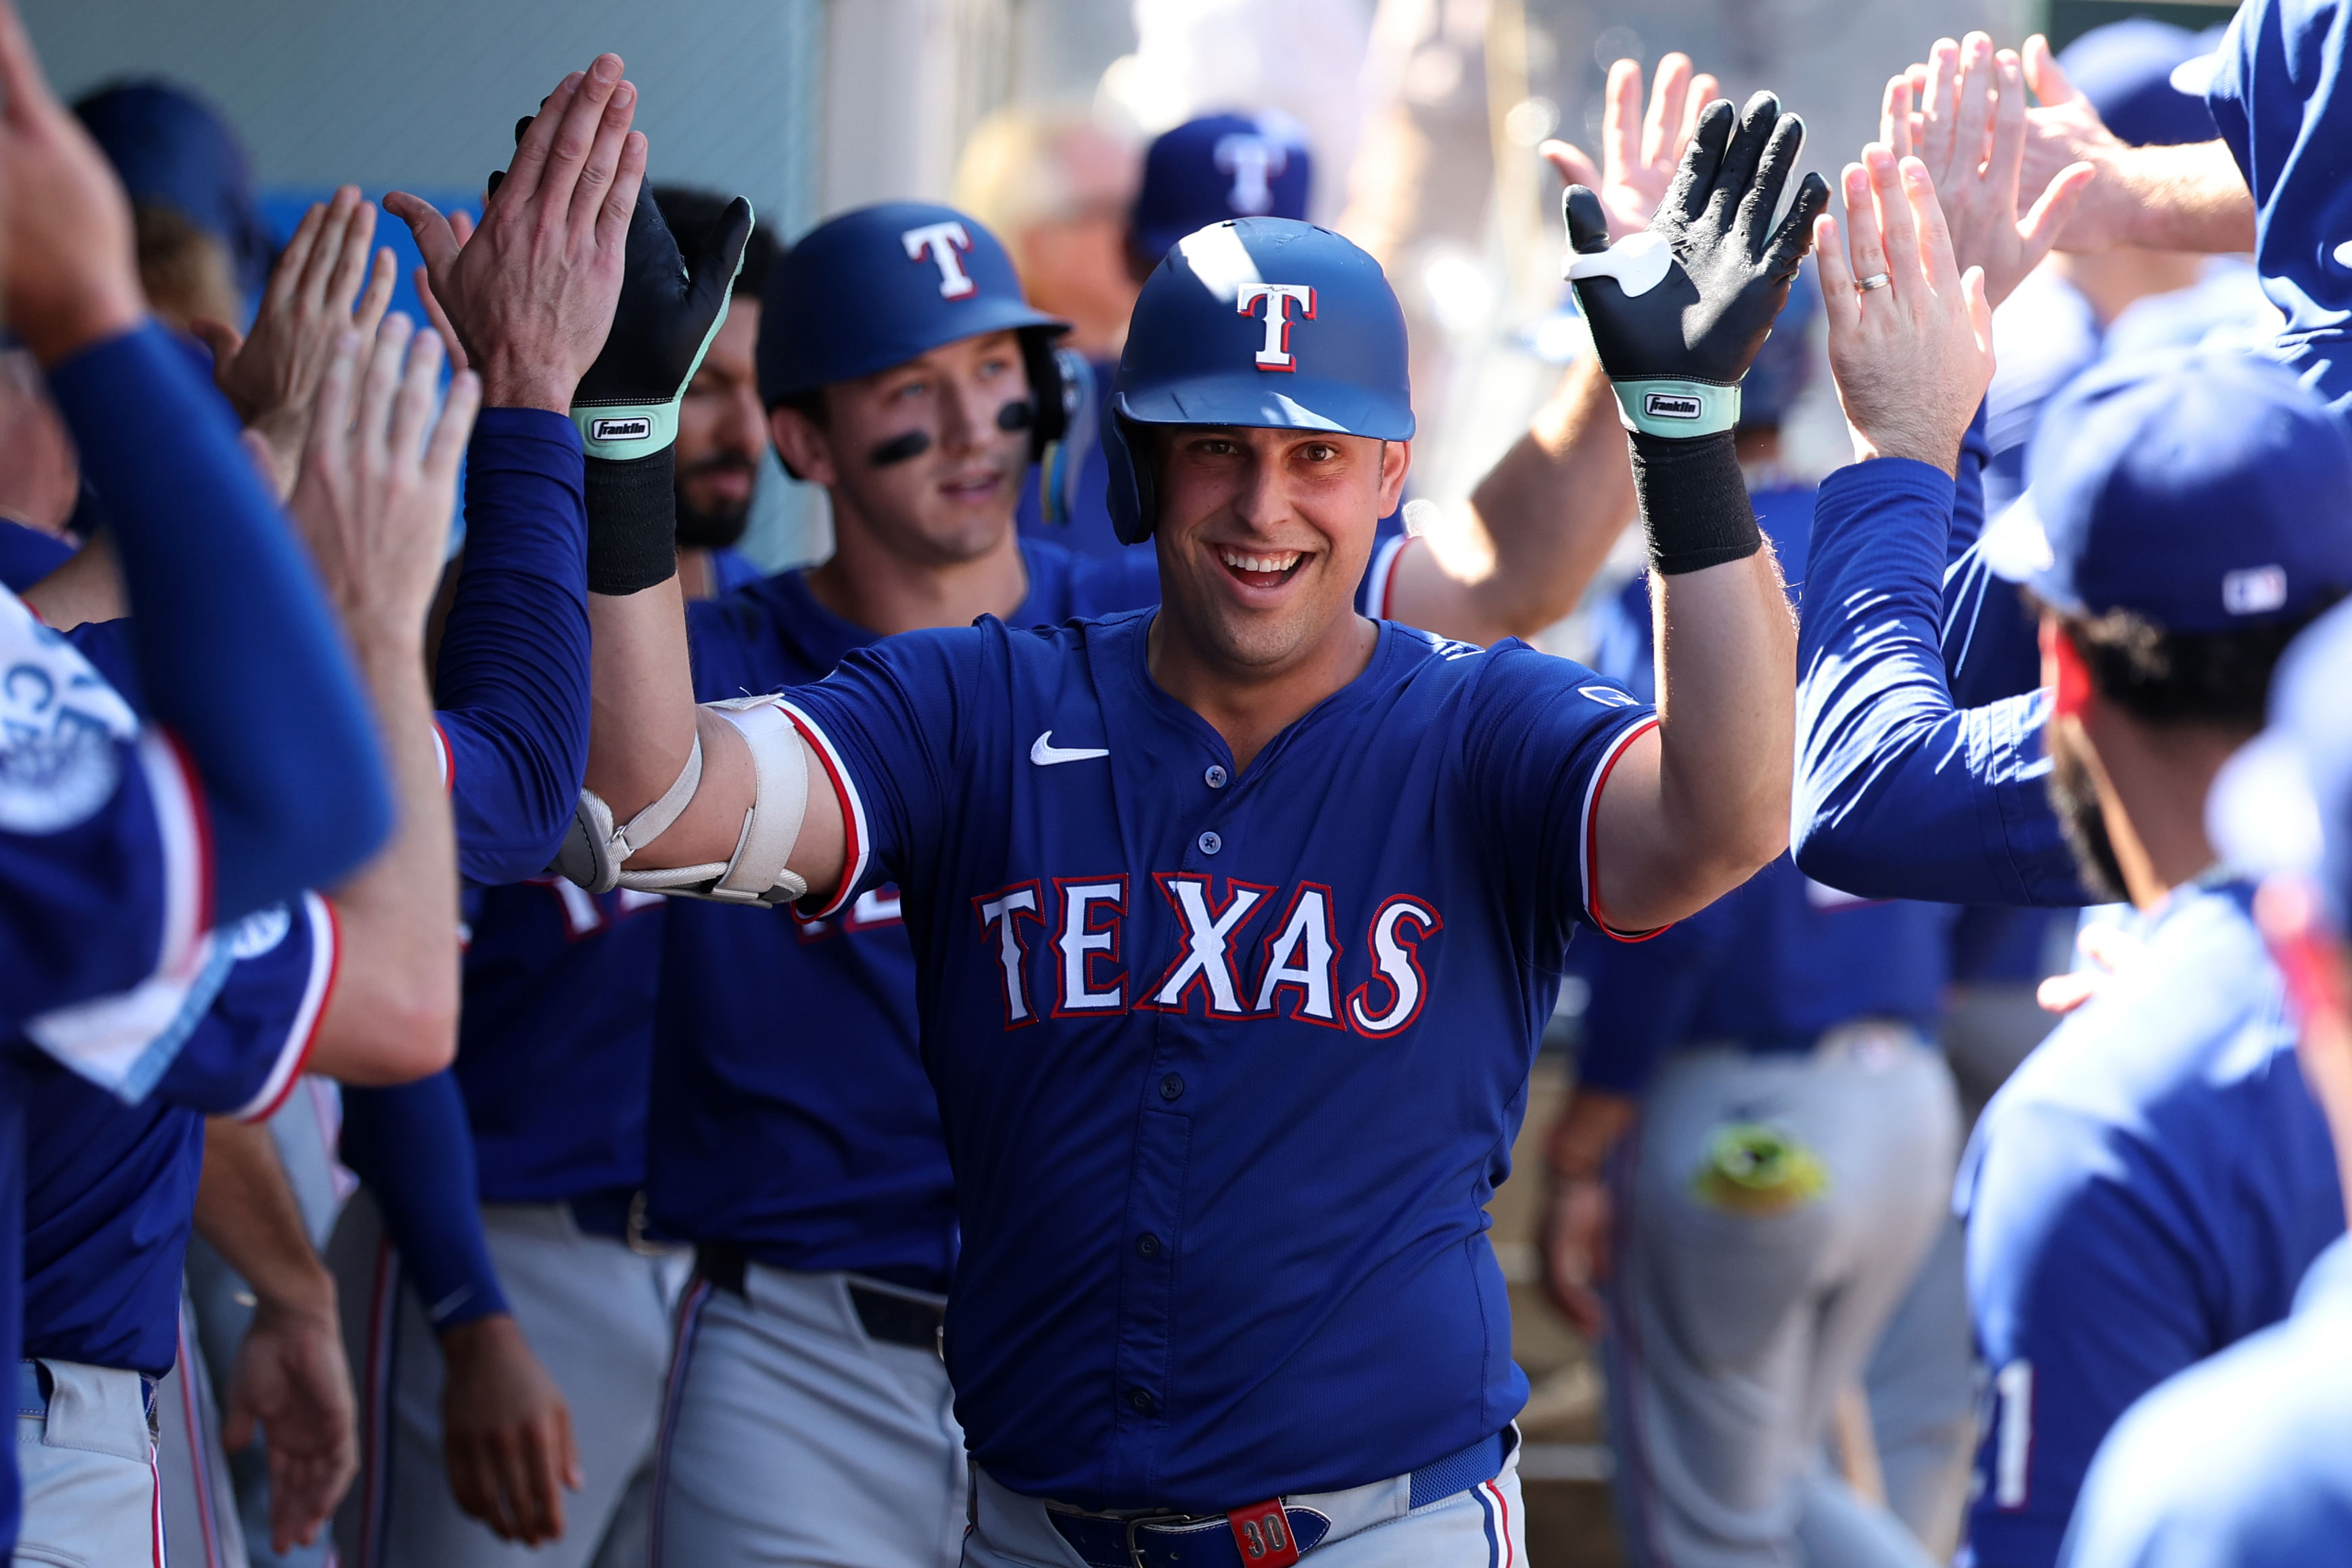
x=1969, y=129
x=1639, y=154
x=290, y=1378
x=2064, y=130
x=378, y=475
x=314, y=297
x=1576, y=1250
x=1912, y=356
x=669, y=310
x=1730, y=267
x=506, y=1432
x=530, y=292
x=68, y=270
x=2107, y=951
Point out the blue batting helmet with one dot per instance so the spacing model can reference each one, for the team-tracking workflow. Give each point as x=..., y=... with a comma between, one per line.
x=882, y=285
x=1265, y=322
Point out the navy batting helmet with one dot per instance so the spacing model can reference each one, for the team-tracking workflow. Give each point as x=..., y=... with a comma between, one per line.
x=882, y=285
x=1265, y=322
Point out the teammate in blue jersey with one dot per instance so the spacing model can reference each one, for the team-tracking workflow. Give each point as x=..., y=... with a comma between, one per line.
x=1128, y=847
x=2242, y=1458
x=1796, y=1147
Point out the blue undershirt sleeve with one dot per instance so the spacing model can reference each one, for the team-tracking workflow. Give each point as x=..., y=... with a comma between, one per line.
x=512, y=676
x=1900, y=794
x=237, y=651
x=413, y=1148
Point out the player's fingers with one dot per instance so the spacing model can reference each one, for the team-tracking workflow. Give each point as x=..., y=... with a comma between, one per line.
x=2043, y=75
x=2062, y=993
x=327, y=255
x=440, y=319
x=330, y=415
x=1865, y=227
x=221, y=337
x=1704, y=89
x=378, y=385
x=1695, y=181
x=1980, y=302
x=458, y=409
x=1895, y=115
x=1668, y=90
x=368, y=314
x=2041, y=226
x=1972, y=94
x=1570, y=163
x=1939, y=102
x=412, y=408
x=1621, y=118
x=600, y=174
x=435, y=242
x=1763, y=197
x=472, y=1482
x=612, y=221
x=1898, y=231
x=575, y=134
x=1935, y=236
x=286, y=277
x=351, y=260
x=1836, y=275
x=1789, y=244
x=524, y=1477
x=528, y=167
x=2008, y=153
x=25, y=95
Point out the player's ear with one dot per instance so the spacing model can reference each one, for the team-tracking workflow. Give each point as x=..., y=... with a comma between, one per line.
x=1396, y=461
x=801, y=445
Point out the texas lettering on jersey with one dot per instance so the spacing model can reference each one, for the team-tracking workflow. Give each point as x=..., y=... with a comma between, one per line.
x=1244, y=951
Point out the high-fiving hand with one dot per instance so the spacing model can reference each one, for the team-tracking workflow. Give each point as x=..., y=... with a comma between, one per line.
x=1639, y=154
x=529, y=290
x=1912, y=353
x=271, y=378
x=1964, y=116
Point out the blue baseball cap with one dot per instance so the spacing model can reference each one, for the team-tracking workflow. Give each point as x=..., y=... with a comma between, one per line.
x=2203, y=492
x=1220, y=166
x=171, y=149
x=1263, y=322
x=2283, y=804
x=2126, y=68
x=882, y=285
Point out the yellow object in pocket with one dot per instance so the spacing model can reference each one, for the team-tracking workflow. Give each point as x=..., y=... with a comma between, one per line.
x=1753, y=1168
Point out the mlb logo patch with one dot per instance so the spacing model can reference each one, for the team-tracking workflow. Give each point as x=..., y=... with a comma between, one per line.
x=638, y=428
x=2254, y=590
x=1670, y=405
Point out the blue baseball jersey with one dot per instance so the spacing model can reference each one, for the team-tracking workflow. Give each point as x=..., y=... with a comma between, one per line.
x=2277, y=98
x=777, y=1139
x=2147, y=1189
x=1228, y=1062
x=2244, y=1459
x=1775, y=962
x=1900, y=793
x=110, y=1188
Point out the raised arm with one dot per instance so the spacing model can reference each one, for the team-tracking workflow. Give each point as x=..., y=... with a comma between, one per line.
x=1539, y=525
x=1899, y=794
x=1696, y=805
x=236, y=648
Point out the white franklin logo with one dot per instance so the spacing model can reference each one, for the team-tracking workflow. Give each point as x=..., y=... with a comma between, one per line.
x=1045, y=753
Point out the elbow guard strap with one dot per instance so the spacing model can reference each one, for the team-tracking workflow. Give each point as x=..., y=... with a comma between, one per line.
x=595, y=850
x=755, y=872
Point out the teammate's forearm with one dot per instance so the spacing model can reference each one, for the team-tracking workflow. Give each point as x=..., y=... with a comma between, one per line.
x=1580, y=1140
x=1726, y=666
x=393, y=1013
x=2191, y=198
x=1538, y=526
x=412, y=1145
x=245, y=1209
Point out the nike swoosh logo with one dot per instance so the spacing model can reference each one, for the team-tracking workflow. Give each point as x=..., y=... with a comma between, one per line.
x=1045, y=753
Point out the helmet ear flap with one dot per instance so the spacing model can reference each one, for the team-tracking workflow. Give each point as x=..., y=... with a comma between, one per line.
x=1049, y=392
x=1134, y=488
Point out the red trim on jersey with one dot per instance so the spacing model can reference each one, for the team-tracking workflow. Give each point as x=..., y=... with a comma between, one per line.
x=307, y=1040
x=1383, y=575
x=1591, y=836
x=1274, y=933
x=447, y=757
x=853, y=814
x=200, y=824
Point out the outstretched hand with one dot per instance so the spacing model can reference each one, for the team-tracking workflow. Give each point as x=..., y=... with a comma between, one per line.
x=314, y=297
x=507, y=1432
x=1731, y=265
x=1969, y=127
x=292, y=1380
x=1639, y=154
x=529, y=292
x=378, y=475
x=1914, y=355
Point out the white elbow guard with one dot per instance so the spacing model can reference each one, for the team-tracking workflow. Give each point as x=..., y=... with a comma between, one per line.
x=595, y=852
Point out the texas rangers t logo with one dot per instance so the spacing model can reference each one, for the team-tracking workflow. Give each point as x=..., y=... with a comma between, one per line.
x=1250, y=160
x=940, y=242
x=1274, y=353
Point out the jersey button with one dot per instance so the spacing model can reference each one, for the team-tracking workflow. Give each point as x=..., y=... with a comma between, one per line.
x=1147, y=1244
x=1171, y=1087
x=1140, y=1399
x=1210, y=843
x=1216, y=776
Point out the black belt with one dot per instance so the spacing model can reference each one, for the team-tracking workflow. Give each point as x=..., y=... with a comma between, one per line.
x=887, y=1317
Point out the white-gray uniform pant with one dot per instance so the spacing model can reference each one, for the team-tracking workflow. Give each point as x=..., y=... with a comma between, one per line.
x=1922, y=1387
x=88, y=1465
x=794, y=1439
x=1371, y=1527
x=200, y=1510
x=1732, y=1333
x=596, y=1314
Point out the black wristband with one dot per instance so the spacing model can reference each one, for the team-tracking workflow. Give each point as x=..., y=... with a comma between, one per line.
x=1694, y=502
x=632, y=522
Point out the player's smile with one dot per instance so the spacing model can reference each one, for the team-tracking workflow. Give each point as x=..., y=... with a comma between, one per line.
x=1260, y=567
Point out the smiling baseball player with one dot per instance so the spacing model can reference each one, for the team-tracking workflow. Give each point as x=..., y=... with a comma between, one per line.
x=1198, y=897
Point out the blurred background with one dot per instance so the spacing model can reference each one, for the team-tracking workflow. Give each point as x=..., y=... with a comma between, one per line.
x=1419, y=119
